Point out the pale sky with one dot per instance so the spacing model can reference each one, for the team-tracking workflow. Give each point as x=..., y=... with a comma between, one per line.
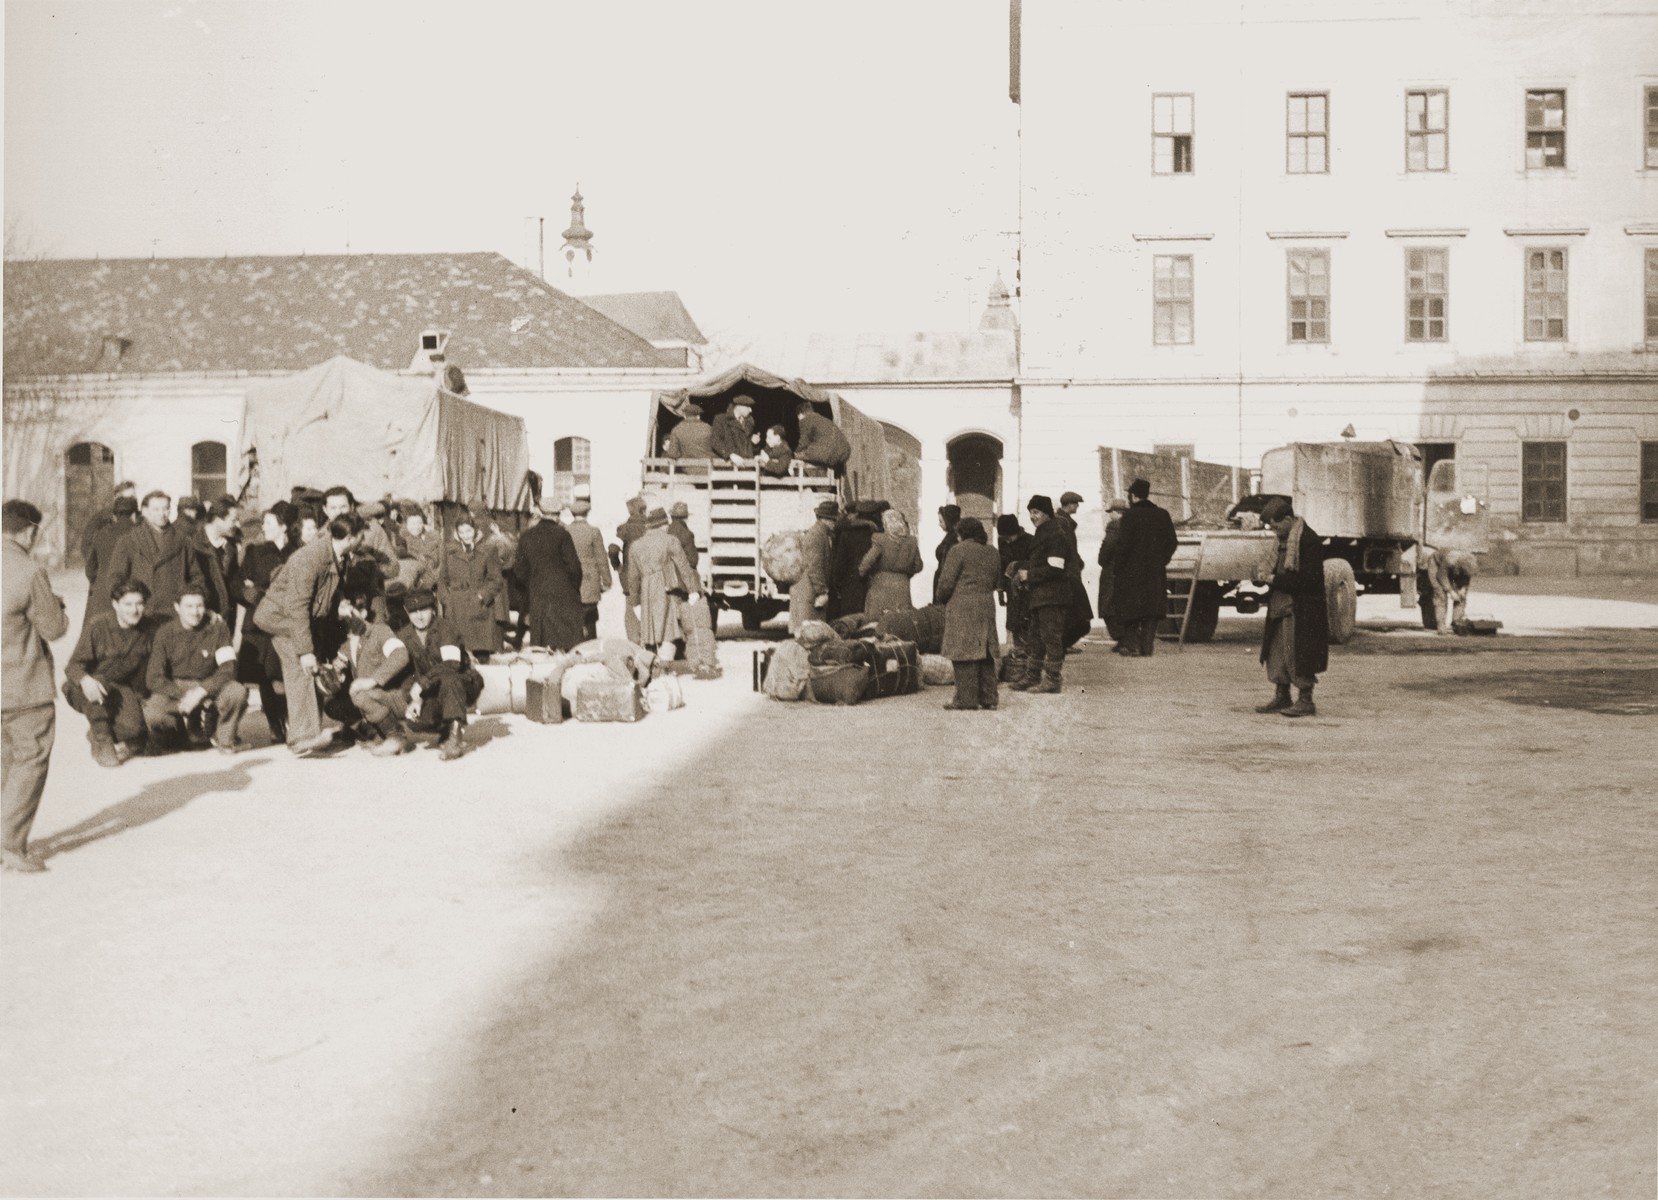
x=836, y=165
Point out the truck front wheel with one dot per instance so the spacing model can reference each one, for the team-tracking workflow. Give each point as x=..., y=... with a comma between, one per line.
x=1341, y=597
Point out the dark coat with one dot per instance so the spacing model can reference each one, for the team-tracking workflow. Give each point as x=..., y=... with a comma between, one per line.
x=690, y=439
x=470, y=585
x=821, y=442
x=944, y=548
x=550, y=569
x=891, y=561
x=1108, y=565
x=731, y=436
x=967, y=585
x=1305, y=586
x=162, y=558
x=687, y=540
x=775, y=460
x=98, y=547
x=221, y=574
x=1014, y=551
x=1140, y=582
x=816, y=546
x=847, y=587
x=256, y=662
x=426, y=658
x=1052, y=563
x=113, y=655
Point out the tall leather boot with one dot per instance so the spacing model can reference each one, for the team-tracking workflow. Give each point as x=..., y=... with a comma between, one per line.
x=1052, y=683
x=1024, y=673
x=102, y=738
x=1303, y=706
x=453, y=745
x=1279, y=702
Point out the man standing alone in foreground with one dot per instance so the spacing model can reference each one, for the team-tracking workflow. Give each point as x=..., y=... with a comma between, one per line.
x=33, y=616
x=1296, y=645
x=1140, y=594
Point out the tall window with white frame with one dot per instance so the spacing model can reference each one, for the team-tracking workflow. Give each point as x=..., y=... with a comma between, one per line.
x=1543, y=482
x=1172, y=299
x=572, y=468
x=1307, y=132
x=1652, y=297
x=1171, y=134
x=1428, y=130
x=1546, y=129
x=1649, y=482
x=1651, y=121
x=1546, y=295
x=1427, y=294
x=1309, y=295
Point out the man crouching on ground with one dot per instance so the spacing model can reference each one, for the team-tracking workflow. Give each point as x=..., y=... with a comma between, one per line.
x=376, y=662
x=444, y=683
x=105, y=678
x=192, y=678
x=1296, y=645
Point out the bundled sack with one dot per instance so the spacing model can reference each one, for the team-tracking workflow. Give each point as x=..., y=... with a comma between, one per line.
x=847, y=684
x=937, y=671
x=610, y=700
x=896, y=664
x=788, y=672
x=782, y=556
x=813, y=633
x=923, y=626
x=664, y=694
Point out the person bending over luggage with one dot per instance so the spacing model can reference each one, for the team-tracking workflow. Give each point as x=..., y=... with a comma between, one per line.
x=105, y=676
x=822, y=444
x=775, y=455
x=374, y=673
x=192, y=678
x=443, y=683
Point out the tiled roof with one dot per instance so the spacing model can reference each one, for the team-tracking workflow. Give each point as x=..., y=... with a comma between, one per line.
x=288, y=313
x=654, y=316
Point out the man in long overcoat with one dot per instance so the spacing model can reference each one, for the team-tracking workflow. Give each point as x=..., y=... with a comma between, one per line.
x=628, y=532
x=1140, y=587
x=99, y=542
x=469, y=585
x=595, y=566
x=848, y=588
x=659, y=580
x=692, y=439
x=967, y=585
x=1296, y=644
x=550, y=570
x=1047, y=578
x=156, y=554
x=810, y=593
x=1108, y=567
x=733, y=436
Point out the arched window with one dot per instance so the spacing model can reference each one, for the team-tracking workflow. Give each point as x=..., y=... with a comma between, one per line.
x=572, y=468
x=976, y=474
x=88, y=489
x=207, y=471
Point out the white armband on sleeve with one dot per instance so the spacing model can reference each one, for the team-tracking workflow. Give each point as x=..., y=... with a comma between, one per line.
x=450, y=653
x=392, y=646
x=1056, y=562
x=223, y=655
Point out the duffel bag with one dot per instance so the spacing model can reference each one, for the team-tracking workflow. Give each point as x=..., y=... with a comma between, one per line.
x=848, y=684
x=923, y=626
x=896, y=663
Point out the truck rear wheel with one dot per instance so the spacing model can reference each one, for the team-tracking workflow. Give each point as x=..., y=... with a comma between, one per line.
x=1205, y=610
x=1341, y=597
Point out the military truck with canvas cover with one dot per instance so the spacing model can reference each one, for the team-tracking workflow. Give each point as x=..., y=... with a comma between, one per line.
x=734, y=509
x=1365, y=499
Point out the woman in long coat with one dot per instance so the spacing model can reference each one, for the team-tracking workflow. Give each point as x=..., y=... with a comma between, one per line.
x=967, y=585
x=659, y=580
x=550, y=570
x=469, y=584
x=893, y=559
x=256, y=662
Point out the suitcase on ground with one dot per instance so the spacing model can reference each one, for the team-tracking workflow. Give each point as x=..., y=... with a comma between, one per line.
x=609, y=700
x=895, y=662
x=543, y=701
x=849, y=684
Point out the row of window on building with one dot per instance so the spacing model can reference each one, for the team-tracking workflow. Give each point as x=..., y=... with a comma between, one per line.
x=1427, y=296
x=1543, y=482
x=1427, y=131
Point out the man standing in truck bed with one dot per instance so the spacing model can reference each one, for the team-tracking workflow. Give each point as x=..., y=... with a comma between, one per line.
x=734, y=437
x=821, y=444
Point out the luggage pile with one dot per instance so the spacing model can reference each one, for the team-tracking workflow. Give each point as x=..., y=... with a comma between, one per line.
x=604, y=680
x=820, y=664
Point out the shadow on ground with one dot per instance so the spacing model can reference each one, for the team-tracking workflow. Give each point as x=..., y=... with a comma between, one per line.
x=159, y=799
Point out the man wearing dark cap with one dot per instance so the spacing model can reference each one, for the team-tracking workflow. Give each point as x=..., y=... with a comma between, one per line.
x=1140, y=583
x=1069, y=502
x=1046, y=576
x=678, y=515
x=809, y=595
x=443, y=682
x=125, y=490
x=1296, y=644
x=948, y=517
x=733, y=437
x=98, y=547
x=548, y=566
x=691, y=438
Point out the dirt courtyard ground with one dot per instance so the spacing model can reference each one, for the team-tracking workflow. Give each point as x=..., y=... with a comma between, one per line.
x=1133, y=940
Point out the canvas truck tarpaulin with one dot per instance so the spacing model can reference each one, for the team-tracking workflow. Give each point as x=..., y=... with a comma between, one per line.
x=343, y=422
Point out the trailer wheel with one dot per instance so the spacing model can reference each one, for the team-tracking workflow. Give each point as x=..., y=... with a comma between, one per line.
x=1341, y=596
x=1205, y=612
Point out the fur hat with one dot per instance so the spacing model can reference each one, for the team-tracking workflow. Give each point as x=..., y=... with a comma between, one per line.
x=1040, y=503
x=826, y=510
x=419, y=598
x=1007, y=525
x=656, y=519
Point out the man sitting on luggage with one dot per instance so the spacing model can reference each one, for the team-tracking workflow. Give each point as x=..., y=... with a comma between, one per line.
x=822, y=444
x=192, y=678
x=104, y=677
x=444, y=683
x=374, y=673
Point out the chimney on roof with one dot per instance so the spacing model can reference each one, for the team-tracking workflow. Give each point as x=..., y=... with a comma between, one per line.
x=430, y=355
x=111, y=352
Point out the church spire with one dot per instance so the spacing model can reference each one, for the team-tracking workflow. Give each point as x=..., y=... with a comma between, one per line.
x=578, y=239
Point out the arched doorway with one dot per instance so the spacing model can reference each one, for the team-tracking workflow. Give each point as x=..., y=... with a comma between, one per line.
x=208, y=475
x=88, y=489
x=903, y=472
x=975, y=478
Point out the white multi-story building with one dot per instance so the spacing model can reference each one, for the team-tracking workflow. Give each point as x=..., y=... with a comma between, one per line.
x=1248, y=222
